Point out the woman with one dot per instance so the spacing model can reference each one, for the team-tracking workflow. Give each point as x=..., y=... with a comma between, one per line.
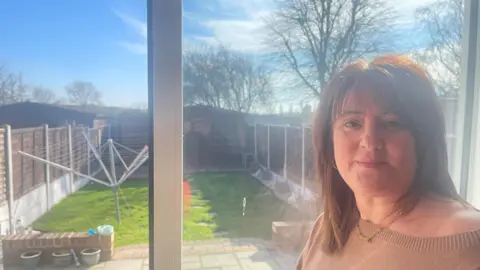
x=381, y=156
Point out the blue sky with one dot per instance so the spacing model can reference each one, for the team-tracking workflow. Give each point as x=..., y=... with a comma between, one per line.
x=53, y=42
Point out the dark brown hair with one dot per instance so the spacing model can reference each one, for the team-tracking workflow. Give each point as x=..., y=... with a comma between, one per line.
x=408, y=90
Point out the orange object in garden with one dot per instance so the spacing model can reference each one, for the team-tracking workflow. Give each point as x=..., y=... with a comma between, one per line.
x=187, y=201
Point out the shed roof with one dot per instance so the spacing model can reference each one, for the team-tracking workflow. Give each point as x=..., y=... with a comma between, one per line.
x=34, y=106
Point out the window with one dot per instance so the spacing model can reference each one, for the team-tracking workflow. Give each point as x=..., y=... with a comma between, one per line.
x=224, y=39
x=73, y=92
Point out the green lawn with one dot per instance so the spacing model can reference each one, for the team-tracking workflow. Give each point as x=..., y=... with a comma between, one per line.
x=218, y=193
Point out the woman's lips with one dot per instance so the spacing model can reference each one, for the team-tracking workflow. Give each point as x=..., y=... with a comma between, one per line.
x=370, y=164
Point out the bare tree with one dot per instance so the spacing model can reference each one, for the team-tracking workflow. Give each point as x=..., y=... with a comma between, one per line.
x=12, y=88
x=43, y=95
x=83, y=94
x=312, y=39
x=442, y=21
x=222, y=78
x=201, y=78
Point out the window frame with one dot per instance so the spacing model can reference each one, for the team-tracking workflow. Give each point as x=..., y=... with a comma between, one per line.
x=468, y=102
x=164, y=28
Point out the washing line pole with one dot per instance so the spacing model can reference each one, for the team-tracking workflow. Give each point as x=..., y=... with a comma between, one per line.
x=114, y=183
x=114, y=178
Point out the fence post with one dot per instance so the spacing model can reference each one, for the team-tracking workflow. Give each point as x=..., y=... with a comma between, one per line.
x=47, y=166
x=9, y=176
x=70, y=155
x=89, y=168
x=285, y=153
x=255, y=140
x=303, y=160
x=268, y=147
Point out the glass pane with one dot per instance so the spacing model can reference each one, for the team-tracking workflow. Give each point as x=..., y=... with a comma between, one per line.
x=252, y=75
x=441, y=54
x=73, y=90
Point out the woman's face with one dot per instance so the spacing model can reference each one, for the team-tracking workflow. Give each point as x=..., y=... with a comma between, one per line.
x=374, y=153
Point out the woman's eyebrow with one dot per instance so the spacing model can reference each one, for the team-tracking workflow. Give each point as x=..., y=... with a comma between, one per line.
x=356, y=112
x=350, y=112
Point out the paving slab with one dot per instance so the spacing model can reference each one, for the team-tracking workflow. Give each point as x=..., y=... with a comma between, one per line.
x=219, y=260
x=218, y=254
x=191, y=265
x=232, y=268
x=124, y=264
x=247, y=264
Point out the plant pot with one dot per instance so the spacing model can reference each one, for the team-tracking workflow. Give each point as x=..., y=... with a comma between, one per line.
x=90, y=256
x=105, y=229
x=62, y=258
x=31, y=259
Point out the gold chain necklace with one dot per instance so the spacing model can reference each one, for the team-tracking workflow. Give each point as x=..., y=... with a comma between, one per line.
x=377, y=230
x=381, y=229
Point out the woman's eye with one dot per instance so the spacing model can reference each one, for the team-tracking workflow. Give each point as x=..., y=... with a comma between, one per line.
x=392, y=124
x=352, y=124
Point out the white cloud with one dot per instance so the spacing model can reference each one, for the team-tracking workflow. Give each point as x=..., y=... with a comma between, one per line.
x=240, y=35
x=246, y=33
x=140, y=29
x=137, y=48
x=240, y=24
x=138, y=26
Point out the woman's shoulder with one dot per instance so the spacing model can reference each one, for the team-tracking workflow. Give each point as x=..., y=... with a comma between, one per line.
x=441, y=217
x=462, y=220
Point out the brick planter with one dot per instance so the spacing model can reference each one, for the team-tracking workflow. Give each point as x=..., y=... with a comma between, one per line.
x=15, y=245
x=290, y=236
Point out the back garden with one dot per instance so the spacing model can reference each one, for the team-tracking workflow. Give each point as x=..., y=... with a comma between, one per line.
x=213, y=208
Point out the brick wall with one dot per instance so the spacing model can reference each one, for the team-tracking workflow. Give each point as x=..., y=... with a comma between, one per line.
x=13, y=246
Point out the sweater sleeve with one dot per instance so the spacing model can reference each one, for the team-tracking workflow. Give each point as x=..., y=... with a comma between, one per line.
x=311, y=243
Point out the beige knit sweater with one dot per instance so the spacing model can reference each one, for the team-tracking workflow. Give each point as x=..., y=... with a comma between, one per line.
x=391, y=250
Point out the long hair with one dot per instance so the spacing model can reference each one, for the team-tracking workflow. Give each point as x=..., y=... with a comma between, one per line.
x=405, y=87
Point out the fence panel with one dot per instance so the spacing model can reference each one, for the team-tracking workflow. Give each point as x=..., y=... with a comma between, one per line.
x=58, y=151
x=294, y=154
x=27, y=173
x=79, y=150
x=95, y=136
x=250, y=139
x=133, y=136
x=310, y=170
x=262, y=145
x=277, y=149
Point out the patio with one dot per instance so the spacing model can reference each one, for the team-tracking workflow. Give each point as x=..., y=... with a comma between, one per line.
x=218, y=254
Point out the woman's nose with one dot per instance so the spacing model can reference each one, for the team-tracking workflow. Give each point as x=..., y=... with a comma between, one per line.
x=372, y=138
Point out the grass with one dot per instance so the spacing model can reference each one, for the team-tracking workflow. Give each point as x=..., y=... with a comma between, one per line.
x=219, y=193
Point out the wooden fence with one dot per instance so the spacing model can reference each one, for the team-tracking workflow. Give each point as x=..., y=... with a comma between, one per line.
x=20, y=174
x=286, y=151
